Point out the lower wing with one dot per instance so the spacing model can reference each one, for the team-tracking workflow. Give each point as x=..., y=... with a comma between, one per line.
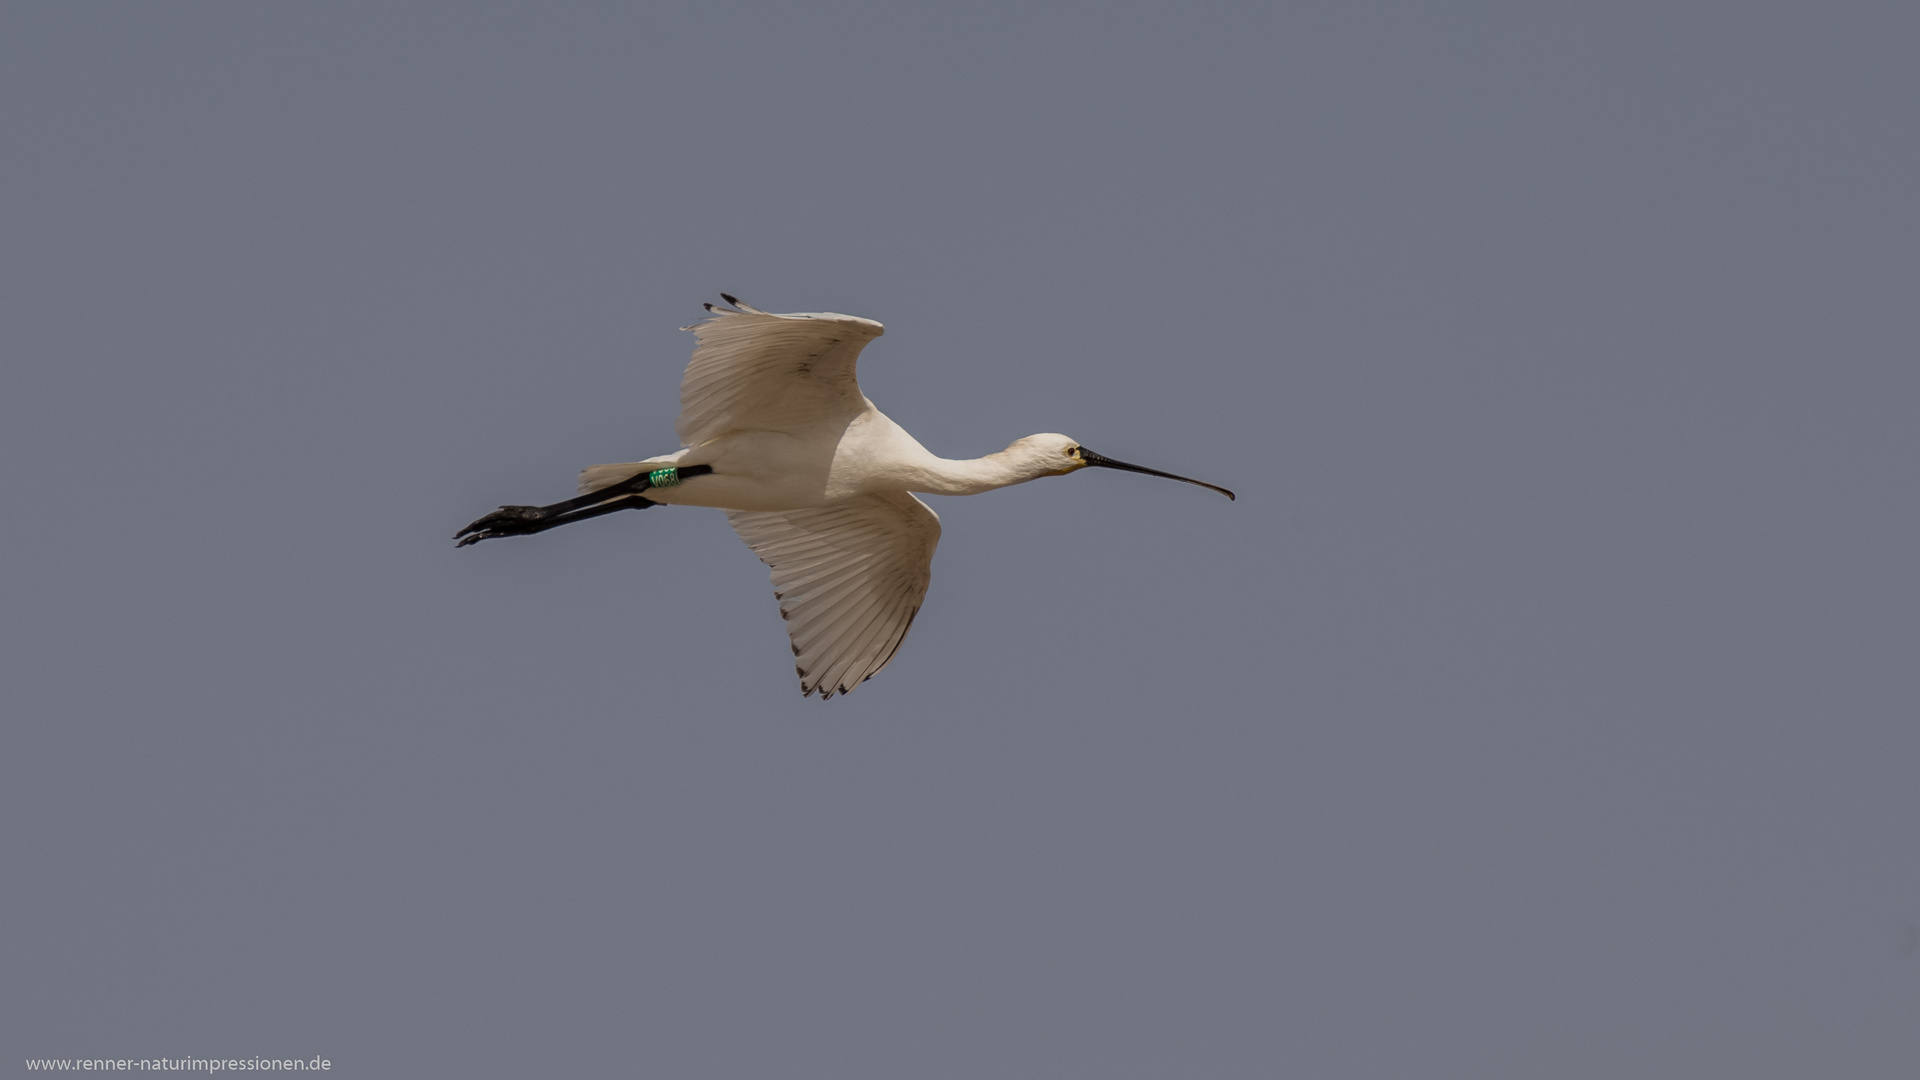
x=849, y=577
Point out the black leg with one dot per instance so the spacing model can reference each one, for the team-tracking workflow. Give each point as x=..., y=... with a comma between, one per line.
x=527, y=520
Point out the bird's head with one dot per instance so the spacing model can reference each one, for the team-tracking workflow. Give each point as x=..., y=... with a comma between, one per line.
x=1056, y=455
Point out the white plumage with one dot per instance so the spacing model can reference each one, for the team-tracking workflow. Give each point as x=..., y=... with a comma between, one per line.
x=817, y=481
x=849, y=577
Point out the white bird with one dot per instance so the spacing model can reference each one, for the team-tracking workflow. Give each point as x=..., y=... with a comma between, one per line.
x=816, y=480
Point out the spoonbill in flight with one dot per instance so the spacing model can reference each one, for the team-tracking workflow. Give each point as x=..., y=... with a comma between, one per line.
x=816, y=480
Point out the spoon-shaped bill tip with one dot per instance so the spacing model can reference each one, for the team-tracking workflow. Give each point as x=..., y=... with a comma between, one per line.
x=1105, y=462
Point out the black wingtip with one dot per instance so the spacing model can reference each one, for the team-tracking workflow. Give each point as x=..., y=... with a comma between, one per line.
x=734, y=300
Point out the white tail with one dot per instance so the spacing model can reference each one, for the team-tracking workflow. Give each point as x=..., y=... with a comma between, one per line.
x=595, y=477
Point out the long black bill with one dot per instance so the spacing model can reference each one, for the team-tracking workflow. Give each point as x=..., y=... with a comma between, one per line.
x=1092, y=458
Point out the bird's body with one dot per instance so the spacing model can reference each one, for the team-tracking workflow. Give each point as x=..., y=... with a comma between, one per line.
x=816, y=464
x=819, y=482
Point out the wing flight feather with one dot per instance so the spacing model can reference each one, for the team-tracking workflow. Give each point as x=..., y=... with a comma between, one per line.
x=755, y=371
x=849, y=577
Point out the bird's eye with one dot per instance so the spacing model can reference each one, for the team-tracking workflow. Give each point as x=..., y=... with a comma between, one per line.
x=1073, y=451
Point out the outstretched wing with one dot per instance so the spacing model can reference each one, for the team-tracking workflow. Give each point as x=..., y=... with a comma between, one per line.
x=849, y=577
x=753, y=370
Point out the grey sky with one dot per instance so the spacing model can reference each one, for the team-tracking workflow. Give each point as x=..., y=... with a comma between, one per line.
x=1545, y=707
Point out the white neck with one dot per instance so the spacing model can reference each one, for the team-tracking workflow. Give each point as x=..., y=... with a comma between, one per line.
x=886, y=458
x=971, y=476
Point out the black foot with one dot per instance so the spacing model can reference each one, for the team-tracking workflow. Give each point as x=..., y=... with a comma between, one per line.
x=506, y=521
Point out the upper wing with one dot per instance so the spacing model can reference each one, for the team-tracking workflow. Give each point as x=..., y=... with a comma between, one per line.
x=755, y=370
x=849, y=577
